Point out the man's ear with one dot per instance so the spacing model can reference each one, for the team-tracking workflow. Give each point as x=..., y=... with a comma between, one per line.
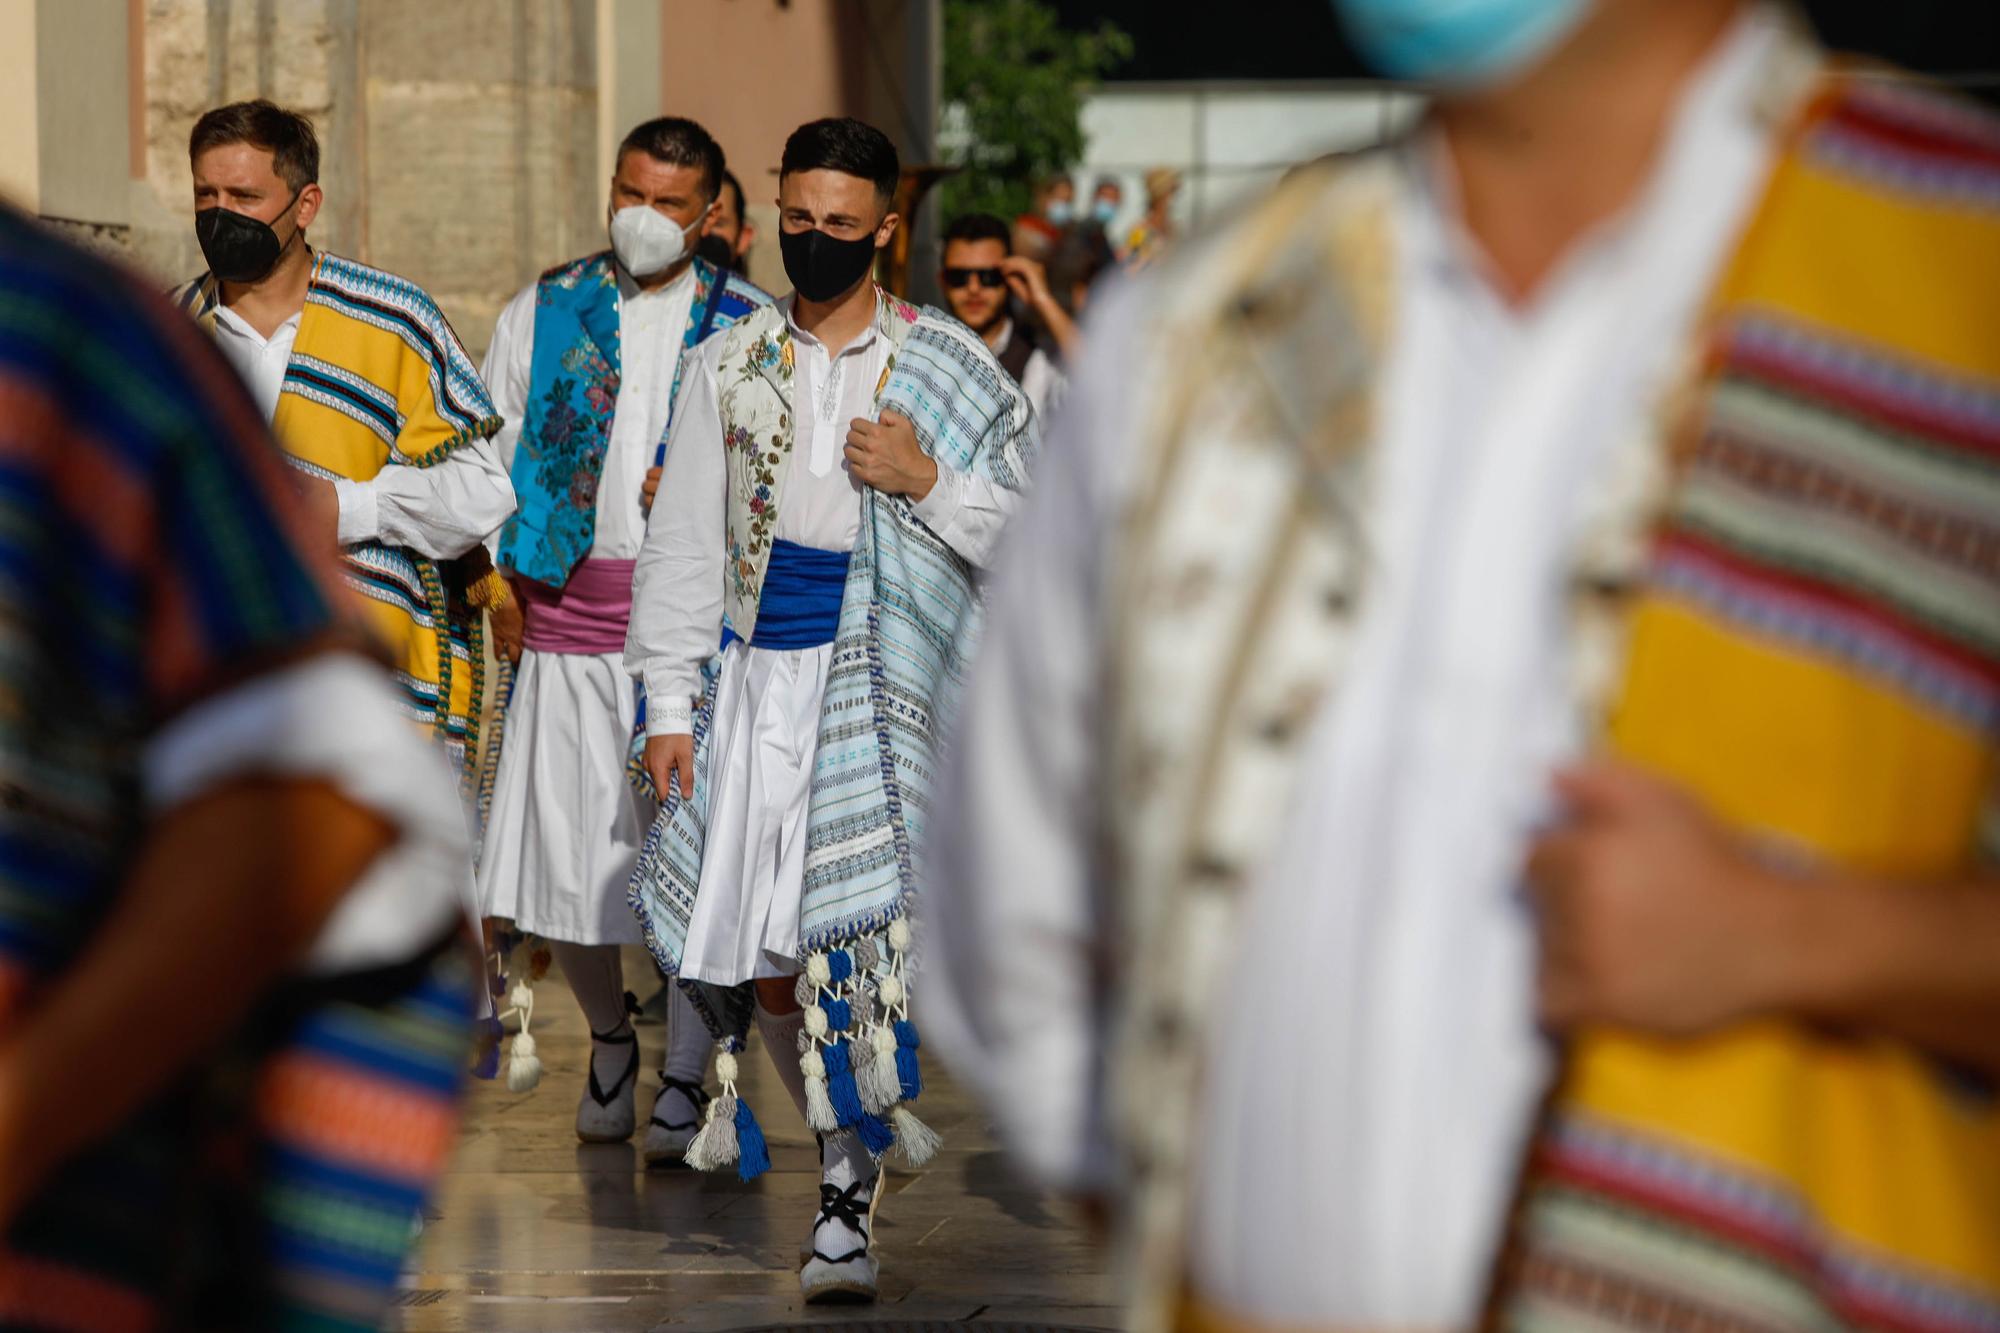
x=745, y=235
x=310, y=199
x=886, y=230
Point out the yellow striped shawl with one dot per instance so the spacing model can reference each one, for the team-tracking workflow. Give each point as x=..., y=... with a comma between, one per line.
x=1816, y=653
x=377, y=376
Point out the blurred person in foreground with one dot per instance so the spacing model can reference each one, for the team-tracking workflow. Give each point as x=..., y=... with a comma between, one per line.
x=1153, y=233
x=842, y=465
x=235, y=977
x=584, y=366
x=980, y=271
x=1049, y=216
x=730, y=232
x=1528, y=579
x=370, y=393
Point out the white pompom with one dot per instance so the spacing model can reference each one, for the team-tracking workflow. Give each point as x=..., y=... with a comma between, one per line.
x=524, y=1071
x=819, y=971
x=725, y=1067
x=520, y=997
x=899, y=935
x=813, y=1064
x=816, y=1021
x=892, y=990
x=884, y=1040
x=819, y=1107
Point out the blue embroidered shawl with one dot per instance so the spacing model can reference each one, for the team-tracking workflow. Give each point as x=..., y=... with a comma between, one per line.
x=572, y=388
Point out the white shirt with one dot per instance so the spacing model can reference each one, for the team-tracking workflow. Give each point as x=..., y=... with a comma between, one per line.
x=1369, y=1088
x=821, y=500
x=1040, y=379
x=441, y=511
x=677, y=590
x=335, y=718
x=652, y=325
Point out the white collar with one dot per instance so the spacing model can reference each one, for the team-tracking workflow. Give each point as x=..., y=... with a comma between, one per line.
x=867, y=337
x=237, y=326
x=629, y=289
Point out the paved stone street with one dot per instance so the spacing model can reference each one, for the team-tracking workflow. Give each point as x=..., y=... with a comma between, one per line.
x=533, y=1230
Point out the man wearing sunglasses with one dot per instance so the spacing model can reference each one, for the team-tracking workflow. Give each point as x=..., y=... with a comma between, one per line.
x=980, y=271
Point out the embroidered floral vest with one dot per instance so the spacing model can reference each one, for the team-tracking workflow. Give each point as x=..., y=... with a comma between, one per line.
x=572, y=390
x=754, y=392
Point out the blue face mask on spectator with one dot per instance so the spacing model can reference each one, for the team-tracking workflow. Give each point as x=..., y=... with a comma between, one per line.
x=1104, y=210
x=1456, y=43
x=1059, y=211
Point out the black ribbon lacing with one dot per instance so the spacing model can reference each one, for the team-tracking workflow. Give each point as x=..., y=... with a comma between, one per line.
x=697, y=1097
x=850, y=1206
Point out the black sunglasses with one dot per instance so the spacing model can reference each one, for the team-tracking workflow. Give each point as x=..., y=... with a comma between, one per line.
x=963, y=277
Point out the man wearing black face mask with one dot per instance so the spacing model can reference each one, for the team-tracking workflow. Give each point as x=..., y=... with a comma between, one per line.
x=371, y=394
x=839, y=421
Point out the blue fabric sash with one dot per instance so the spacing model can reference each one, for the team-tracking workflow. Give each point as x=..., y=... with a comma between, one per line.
x=800, y=607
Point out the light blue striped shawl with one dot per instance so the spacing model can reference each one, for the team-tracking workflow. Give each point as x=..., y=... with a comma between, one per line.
x=909, y=620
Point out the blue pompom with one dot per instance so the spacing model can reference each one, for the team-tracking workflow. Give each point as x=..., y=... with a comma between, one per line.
x=840, y=964
x=906, y=1035
x=841, y=1088
x=753, y=1157
x=839, y=1013
x=877, y=1137
x=908, y=1074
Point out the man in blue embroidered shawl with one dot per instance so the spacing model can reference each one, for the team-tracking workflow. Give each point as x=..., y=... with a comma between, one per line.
x=841, y=465
x=583, y=366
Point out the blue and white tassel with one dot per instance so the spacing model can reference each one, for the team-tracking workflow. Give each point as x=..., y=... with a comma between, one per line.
x=729, y=1135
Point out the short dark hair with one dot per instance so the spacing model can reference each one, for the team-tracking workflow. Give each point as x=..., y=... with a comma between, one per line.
x=978, y=227
x=286, y=135
x=735, y=187
x=848, y=146
x=679, y=142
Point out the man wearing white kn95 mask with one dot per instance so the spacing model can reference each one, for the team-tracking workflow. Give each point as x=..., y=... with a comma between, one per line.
x=584, y=366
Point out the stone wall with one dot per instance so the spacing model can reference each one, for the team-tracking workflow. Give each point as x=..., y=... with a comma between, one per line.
x=458, y=138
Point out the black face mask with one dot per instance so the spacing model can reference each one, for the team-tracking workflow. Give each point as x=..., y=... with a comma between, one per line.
x=715, y=248
x=238, y=247
x=820, y=266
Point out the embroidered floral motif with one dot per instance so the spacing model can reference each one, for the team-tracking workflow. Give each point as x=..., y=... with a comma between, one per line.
x=755, y=379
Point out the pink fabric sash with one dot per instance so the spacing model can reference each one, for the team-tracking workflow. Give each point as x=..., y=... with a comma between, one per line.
x=588, y=615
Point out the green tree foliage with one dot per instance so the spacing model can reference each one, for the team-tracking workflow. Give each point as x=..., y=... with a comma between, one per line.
x=1018, y=78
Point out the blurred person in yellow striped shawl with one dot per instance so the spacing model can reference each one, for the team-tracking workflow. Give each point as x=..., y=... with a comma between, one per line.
x=1476, y=804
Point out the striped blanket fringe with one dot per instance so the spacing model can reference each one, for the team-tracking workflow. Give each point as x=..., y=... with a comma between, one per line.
x=496, y=738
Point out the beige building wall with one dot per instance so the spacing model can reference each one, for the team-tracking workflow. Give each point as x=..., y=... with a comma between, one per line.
x=753, y=71
x=465, y=144
x=65, y=125
x=20, y=139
